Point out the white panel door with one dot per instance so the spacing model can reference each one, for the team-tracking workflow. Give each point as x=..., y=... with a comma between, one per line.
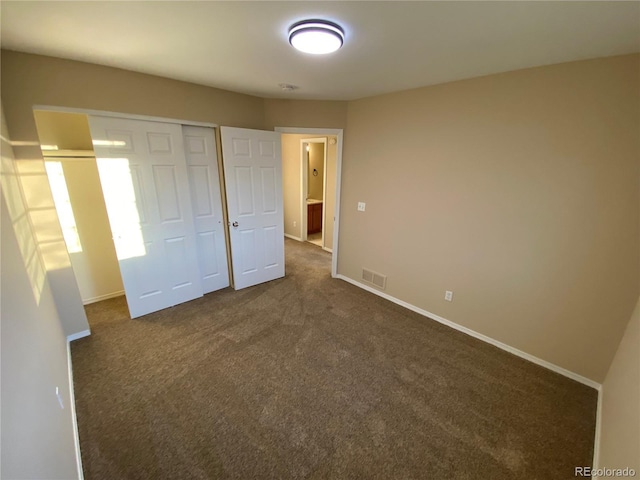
x=204, y=180
x=253, y=180
x=144, y=179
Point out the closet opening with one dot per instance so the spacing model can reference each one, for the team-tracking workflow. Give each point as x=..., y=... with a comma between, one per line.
x=139, y=205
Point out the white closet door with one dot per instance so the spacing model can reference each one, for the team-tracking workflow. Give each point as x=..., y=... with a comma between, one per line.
x=253, y=181
x=204, y=180
x=144, y=179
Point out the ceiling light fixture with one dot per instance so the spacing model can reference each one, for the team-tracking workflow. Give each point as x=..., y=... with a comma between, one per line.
x=317, y=37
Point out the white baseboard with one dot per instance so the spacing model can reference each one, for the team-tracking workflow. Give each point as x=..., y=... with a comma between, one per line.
x=72, y=406
x=479, y=336
x=76, y=336
x=99, y=298
x=327, y=249
x=596, y=442
x=292, y=237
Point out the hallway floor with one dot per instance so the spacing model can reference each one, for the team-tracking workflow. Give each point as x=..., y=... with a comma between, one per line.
x=315, y=238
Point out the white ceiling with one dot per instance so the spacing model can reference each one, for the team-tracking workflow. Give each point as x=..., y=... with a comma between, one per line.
x=389, y=46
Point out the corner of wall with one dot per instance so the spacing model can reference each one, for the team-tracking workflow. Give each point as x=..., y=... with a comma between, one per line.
x=617, y=440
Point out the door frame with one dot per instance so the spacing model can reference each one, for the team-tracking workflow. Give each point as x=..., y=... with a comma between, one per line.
x=304, y=186
x=339, y=133
x=129, y=116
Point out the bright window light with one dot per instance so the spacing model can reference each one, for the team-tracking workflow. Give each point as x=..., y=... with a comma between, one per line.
x=63, y=206
x=109, y=143
x=122, y=207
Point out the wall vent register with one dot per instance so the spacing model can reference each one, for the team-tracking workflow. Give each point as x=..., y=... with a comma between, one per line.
x=375, y=279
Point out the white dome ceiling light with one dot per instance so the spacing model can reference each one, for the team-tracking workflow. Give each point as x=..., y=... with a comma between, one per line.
x=317, y=37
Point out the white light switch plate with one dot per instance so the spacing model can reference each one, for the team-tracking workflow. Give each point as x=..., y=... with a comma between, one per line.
x=361, y=206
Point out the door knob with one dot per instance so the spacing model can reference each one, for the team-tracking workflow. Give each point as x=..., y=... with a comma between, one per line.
x=235, y=224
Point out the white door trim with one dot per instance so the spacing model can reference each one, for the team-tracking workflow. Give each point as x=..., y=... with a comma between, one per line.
x=129, y=116
x=339, y=133
x=304, y=185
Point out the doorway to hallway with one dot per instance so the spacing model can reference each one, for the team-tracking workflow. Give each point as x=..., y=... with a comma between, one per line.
x=312, y=211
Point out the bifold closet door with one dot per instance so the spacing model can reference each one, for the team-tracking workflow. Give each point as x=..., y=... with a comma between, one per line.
x=253, y=181
x=143, y=173
x=204, y=182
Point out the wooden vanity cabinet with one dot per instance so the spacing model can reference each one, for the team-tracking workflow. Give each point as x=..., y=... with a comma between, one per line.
x=314, y=218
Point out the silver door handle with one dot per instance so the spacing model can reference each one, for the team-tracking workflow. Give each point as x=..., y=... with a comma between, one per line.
x=235, y=224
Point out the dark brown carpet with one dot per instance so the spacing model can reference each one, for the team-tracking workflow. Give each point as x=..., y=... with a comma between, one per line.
x=310, y=377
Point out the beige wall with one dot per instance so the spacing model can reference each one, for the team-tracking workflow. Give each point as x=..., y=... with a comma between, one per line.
x=330, y=196
x=620, y=420
x=96, y=266
x=29, y=80
x=315, y=185
x=517, y=191
x=304, y=113
x=291, y=184
x=37, y=435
